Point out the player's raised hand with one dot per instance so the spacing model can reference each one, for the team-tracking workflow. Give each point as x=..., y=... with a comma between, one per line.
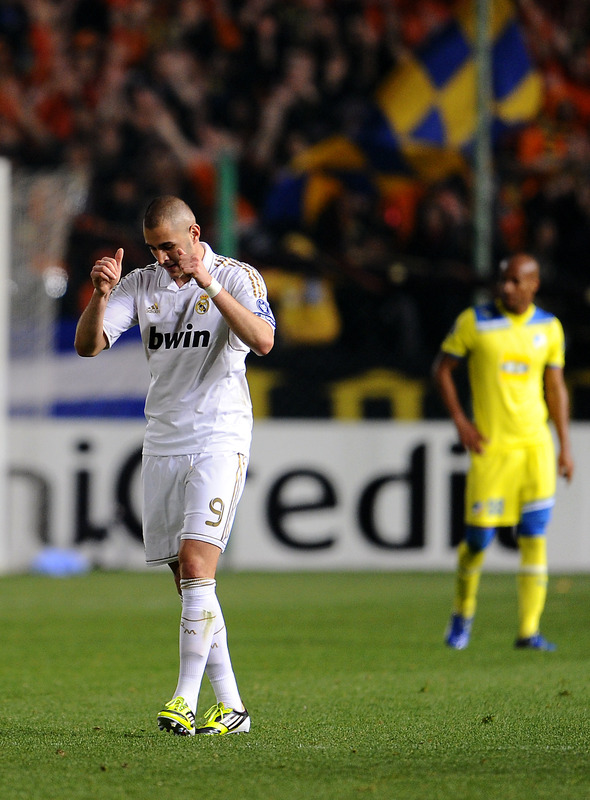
x=192, y=264
x=106, y=272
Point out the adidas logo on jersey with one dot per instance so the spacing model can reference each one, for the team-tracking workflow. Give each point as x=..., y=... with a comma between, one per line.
x=153, y=309
x=175, y=339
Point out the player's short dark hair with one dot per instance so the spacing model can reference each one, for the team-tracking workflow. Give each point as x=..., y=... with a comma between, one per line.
x=167, y=208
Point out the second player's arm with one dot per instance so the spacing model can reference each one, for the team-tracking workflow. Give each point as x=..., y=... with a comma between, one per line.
x=442, y=373
x=558, y=404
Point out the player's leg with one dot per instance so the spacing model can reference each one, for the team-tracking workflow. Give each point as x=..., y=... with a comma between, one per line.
x=531, y=586
x=228, y=715
x=490, y=501
x=202, y=632
x=471, y=555
x=532, y=543
x=213, y=492
x=163, y=480
x=219, y=667
x=538, y=500
x=532, y=580
x=197, y=567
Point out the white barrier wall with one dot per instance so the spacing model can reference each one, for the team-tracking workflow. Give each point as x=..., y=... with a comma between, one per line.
x=320, y=495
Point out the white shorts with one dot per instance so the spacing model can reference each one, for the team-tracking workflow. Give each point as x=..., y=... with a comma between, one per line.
x=189, y=497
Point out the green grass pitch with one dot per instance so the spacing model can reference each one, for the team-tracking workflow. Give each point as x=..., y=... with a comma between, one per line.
x=351, y=691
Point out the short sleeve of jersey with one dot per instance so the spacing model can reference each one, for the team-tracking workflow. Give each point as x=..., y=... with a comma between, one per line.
x=247, y=286
x=460, y=339
x=121, y=311
x=556, y=349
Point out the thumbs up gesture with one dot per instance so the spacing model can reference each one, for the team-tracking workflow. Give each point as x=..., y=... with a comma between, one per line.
x=106, y=272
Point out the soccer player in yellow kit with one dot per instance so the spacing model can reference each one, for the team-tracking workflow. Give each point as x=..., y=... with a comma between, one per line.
x=515, y=356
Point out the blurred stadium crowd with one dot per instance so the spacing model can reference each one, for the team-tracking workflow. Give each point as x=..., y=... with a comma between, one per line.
x=144, y=96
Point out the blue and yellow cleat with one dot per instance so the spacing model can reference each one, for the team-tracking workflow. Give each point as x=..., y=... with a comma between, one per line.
x=535, y=642
x=220, y=720
x=177, y=717
x=458, y=632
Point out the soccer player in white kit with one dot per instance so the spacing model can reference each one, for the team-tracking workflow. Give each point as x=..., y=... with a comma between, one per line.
x=199, y=314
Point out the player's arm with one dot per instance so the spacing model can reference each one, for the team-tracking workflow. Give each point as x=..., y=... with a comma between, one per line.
x=442, y=373
x=254, y=331
x=558, y=404
x=250, y=329
x=90, y=338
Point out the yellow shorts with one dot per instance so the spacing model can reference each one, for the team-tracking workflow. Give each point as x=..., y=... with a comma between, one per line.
x=502, y=483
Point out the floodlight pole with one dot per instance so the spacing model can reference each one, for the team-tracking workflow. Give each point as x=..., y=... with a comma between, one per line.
x=483, y=188
x=227, y=192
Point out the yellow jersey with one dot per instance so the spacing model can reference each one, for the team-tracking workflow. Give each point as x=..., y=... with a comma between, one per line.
x=506, y=356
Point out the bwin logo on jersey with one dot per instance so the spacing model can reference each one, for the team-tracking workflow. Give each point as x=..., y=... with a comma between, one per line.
x=175, y=339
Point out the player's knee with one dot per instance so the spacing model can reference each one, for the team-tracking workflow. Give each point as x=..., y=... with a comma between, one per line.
x=193, y=566
x=197, y=559
x=478, y=538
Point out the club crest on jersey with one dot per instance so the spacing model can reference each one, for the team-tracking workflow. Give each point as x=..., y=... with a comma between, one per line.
x=202, y=304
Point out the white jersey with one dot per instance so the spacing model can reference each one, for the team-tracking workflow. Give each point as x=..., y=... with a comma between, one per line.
x=198, y=399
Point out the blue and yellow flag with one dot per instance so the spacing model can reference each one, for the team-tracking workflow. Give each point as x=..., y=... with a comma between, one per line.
x=422, y=121
x=430, y=99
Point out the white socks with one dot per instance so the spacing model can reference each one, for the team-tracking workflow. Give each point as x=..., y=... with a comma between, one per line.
x=219, y=667
x=203, y=644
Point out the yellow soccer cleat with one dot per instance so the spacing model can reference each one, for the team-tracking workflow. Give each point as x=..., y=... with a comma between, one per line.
x=177, y=717
x=220, y=720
